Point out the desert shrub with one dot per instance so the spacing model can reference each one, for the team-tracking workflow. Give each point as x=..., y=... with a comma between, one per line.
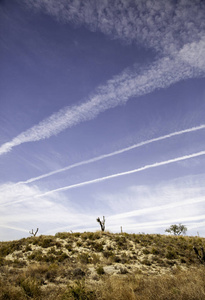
x=69, y=246
x=52, y=272
x=124, y=258
x=28, y=248
x=84, y=258
x=36, y=255
x=91, y=236
x=76, y=234
x=121, y=242
x=17, y=263
x=5, y=250
x=146, y=262
x=98, y=247
x=123, y=271
x=78, y=292
x=52, y=250
x=100, y=270
x=108, y=254
x=171, y=254
x=47, y=242
x=95, y=258
x=63, y=235
x=79, y=244
x=9, y=292
x=37, y=270
x=155, y=251
x=62, y=257
x=109, y=247
x=116, y=258
x=1, y=261
x=78, y=273
x=30, y=286
x=146, y=251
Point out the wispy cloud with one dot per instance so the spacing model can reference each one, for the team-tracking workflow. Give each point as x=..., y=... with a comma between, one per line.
x=154, y=209
x=94, y=159
x=117, y=91
x=155, y=165
x=163, y=25
x=97, y=180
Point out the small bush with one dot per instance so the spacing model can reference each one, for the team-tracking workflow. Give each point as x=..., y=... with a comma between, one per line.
x=84, y=258
x=145, y=251
x=98, y=247
x=108, y=254
x=78, y=273
x=30, y=287
x=171, y=254
x=100, y=270
x=155, y=251
x=63, y=235
x=47, y=242
x=79, y=292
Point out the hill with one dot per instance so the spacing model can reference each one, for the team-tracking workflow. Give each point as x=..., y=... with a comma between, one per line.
x=102, y=265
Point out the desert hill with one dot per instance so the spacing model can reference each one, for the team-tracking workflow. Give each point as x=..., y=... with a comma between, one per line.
x=102, y=265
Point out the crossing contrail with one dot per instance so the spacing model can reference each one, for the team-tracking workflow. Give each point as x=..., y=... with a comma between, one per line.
x=85, y=162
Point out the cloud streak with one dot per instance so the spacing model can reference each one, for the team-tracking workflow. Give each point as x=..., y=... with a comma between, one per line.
x=117, y=91
x=164, y=137
x=163, y=25
x=97, y=180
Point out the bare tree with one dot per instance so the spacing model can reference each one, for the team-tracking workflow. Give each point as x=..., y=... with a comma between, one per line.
x=102, y=223
x=33, y=233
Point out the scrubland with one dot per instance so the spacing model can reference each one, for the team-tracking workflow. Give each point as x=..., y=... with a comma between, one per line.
x=102, y=265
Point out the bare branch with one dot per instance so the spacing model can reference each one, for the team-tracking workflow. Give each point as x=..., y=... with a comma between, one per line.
x=102, y=223
x=33, y=233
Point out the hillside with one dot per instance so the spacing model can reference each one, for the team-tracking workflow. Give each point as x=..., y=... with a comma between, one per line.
x=102, y=266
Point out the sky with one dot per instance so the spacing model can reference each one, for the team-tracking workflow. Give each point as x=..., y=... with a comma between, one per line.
x=102, y=113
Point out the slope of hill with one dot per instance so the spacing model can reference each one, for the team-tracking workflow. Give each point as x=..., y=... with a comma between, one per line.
x=102, y=266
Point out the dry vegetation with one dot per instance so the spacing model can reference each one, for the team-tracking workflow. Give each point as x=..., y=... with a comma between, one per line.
x=102, y=265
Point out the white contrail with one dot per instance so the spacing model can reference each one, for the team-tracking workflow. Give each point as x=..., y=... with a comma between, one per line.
x=153, y=209
x=14, y=228
x=152, y=24
x=157, y=164
x=113, y=153
x=117, y=91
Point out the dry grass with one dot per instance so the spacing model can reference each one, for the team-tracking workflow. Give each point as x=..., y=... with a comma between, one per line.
x=102, y=266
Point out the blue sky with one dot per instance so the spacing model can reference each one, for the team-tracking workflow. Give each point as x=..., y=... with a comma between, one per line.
x=102, y=113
